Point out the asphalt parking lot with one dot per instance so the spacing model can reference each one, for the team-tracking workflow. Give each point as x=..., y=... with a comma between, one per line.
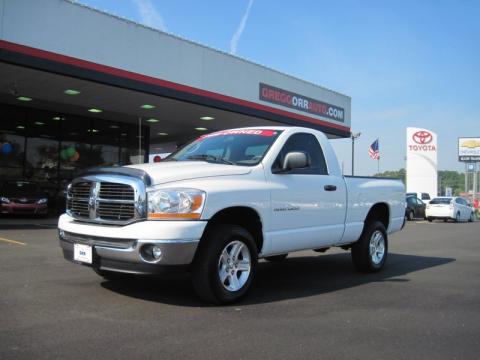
x=424, y=305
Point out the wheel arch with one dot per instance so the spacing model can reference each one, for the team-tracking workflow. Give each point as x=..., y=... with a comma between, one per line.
x=243, y=216
x=378, y=212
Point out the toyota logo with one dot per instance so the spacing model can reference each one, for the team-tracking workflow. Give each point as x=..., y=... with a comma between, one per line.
x=422, y=137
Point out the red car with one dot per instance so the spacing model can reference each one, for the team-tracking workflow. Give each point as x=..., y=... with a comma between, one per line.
x=23, y=197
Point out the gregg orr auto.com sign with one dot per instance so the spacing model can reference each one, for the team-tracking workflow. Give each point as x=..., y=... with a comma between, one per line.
x=299, y=102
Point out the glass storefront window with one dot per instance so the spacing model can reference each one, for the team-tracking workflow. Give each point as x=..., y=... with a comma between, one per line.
x=42, y=153
x=12, y=150
x=10, y=174
x=52, y=148
x=105, y=141
x=12, y=137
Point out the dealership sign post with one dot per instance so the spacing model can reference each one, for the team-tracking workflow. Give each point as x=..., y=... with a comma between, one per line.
x=422, y=161
x=469, y=153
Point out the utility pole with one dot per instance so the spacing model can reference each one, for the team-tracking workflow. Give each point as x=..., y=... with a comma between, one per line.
x=354, y=136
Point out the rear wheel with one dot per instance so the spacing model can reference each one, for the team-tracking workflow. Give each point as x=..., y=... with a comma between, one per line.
x=225, y=264
x=370, y=252
x=429, y=219
x=276, y=258
x=457, y=217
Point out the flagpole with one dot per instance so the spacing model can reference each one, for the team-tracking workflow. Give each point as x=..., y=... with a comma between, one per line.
x=378, y=160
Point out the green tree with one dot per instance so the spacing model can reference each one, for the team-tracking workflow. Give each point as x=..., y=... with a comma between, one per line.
x=453, y=179
x=446, y=178
x=398, y=174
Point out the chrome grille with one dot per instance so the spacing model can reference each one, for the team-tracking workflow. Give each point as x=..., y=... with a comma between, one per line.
x=108, y=199
x=77, y=199
x=23, y=201
x=116, y=191
x=122, y=212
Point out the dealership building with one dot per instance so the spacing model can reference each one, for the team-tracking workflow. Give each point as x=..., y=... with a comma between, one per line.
x=81, y=88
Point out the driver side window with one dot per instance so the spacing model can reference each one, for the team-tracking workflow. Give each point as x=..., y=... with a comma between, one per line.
x=308, y=144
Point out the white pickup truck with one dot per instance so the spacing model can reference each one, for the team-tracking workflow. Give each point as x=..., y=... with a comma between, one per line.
x=223, y=201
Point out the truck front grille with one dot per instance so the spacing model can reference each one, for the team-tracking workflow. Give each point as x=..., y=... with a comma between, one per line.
x=77, y=199
x=115, y=191
x=91, y=199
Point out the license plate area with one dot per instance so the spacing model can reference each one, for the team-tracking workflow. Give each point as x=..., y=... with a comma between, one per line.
x=82, y=253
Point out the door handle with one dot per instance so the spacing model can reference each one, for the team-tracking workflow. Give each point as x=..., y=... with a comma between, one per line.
x=330, y=187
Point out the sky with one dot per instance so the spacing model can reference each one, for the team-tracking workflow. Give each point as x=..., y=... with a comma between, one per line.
x=403, y=63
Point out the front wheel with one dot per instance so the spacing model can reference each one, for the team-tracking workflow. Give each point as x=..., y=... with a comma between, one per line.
x=370, y=252
x=429, y=219
x=225, y=264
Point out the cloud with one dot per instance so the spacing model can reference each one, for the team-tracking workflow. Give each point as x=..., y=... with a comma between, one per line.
x=241, y=27
x=149, y=15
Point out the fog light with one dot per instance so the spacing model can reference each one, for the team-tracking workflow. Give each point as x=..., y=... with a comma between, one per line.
x=156, y=252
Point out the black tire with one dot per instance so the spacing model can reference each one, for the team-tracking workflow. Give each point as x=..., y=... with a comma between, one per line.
x=445, y=220
x=276, y=258
x=457, y=217
x=361, y=249
x=429, y=219
x=472, y=217
x=111, y=275
x=205, y=270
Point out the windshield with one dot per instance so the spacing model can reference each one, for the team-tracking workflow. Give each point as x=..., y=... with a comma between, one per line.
x=233, y=147
x=443, y=201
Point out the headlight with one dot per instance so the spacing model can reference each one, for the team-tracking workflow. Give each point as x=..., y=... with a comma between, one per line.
x=42, y=201
x=180, y=204
x=5, y=200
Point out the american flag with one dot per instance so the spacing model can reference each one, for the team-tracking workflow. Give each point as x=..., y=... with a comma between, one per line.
x=374, y=151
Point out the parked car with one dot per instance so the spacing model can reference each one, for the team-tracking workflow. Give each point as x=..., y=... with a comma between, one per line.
x=414, y=208
x=425, y=197
x=23, y=197
x=224, y=200
x=445, y=208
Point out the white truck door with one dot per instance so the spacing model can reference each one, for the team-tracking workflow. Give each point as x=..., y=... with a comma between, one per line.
x=307, y=205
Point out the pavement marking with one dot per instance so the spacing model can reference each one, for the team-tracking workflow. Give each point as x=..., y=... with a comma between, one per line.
x=12, y=241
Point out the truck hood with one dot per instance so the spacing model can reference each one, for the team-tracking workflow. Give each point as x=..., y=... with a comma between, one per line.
x=170, y=171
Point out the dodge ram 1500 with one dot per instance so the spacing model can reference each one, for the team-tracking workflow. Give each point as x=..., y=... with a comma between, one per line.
x=224, y=200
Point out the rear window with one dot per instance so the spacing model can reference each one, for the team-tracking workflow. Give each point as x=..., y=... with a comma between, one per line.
x=444, y=201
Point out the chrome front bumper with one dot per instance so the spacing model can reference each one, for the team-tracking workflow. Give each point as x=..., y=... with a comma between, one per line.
x=130, y=255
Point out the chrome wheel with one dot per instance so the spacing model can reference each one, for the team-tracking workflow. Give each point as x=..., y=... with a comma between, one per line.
x=377, y=247
x=234, y=265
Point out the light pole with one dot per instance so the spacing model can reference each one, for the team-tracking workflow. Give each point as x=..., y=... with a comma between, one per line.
x=354, y=136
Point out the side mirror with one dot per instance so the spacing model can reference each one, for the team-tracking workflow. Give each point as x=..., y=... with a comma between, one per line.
x=294, y=160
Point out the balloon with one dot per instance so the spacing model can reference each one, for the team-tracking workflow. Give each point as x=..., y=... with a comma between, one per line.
x=6, y=148
x=63, y=154
x=70, y=151
x=75, y=156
